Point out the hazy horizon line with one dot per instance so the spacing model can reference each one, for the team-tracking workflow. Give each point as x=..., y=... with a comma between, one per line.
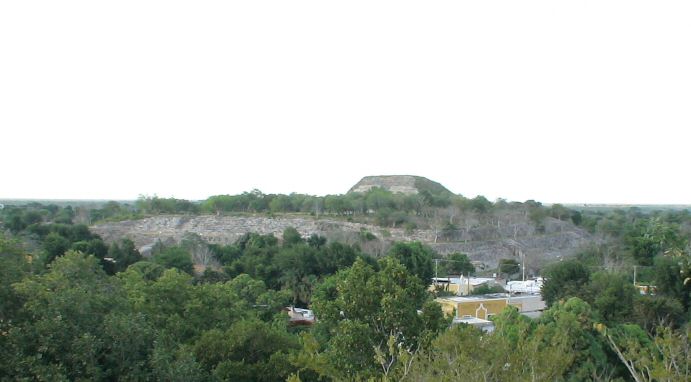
x=567, y=204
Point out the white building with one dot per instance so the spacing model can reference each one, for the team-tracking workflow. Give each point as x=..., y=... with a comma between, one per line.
x=527, y=286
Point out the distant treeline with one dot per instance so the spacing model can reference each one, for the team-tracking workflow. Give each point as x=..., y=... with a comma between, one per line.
x=377, y=205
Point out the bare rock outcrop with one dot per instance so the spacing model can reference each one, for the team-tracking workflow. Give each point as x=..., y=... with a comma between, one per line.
x=483, y=243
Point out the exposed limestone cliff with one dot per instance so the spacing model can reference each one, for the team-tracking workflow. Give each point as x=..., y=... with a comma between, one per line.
x=484, y=243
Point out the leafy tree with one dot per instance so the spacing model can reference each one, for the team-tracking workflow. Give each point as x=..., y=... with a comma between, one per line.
x=359, y=309
x=416, y=257
x=13, y=222
x=459, y=264
x=465, y=353
x=64, y=216
x=14, y=265
x=147, y=270
x=211, y=276
x=291, y=236
x=564, y=279
x=297, y=268
x=666, y=356
x=316, y=241
x=576, y=217
x=337, y=204
x=175, y=257
x=460, y=353
x=162, y=300
x=573, y=320
x=560, y=212
x=487, y=289
x=671, y=281
x=55, y=245
x=128, y=341
x=650, y=312
x=221, y=203
x=257, y=259
x=248, y=350
x=123, y=255
x=334, y=257
x=480, y=204
x=31, y=217
x=176, y=363
x=255, y=293
x=537, y=214
x=612, y=295
x=77, y=232
x=281, y=203
x=67, y=306
x=256, y=241
x=156, y=205
x=509, y=267
x=225, y=254
x=378, y=198
x=94, y=247
x=649, y=238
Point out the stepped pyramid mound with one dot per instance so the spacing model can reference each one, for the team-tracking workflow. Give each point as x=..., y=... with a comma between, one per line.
x=405, y=184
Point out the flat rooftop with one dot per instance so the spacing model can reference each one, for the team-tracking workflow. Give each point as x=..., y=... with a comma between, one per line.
x=491, y=296
x=471, y=321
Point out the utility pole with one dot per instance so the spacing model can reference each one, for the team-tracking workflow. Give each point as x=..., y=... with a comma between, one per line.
x=634, y=275
x=468, y=290
x=523, y=269
x=522, y=255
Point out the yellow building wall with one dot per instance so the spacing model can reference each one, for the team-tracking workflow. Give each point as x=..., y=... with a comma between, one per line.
x=453, y=288
x=480, y=309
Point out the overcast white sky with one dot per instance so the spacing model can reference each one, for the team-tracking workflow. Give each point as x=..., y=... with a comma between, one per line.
x=578, y=101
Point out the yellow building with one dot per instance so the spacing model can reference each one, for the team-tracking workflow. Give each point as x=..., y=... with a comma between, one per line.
x=486, y=306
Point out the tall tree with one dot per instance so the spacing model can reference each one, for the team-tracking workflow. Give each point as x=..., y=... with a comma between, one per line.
x=509, y=267
x=67, y=306
x=612, y=295
x=416, y=257
x=54, y=246
x=459, y=264
x=359, y=309
x=175, y=257
x=565, y=279
x=123, y=254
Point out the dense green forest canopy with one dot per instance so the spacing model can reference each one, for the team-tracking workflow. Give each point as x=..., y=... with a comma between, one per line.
x=73, y=307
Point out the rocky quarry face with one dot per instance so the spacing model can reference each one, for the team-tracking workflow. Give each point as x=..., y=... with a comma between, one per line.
x=485, y=243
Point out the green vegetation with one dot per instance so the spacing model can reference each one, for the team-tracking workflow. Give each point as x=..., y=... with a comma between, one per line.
x=416, y=257
x=458, y=264
x=360, y=309
x=73, y=307
x=509, y=267
x=433, y=207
